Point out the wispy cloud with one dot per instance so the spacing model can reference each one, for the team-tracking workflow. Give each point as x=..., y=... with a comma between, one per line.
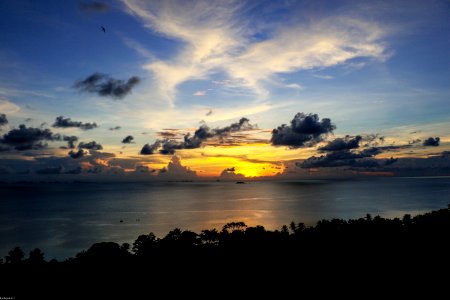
x=136, y=46
x=19, y=92
x=216, y=36
x=199, y=93
x=8, y=107
x=93, y=7
x=294, y=86
x=326, y=77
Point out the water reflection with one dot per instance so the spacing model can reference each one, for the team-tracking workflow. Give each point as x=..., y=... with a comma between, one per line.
x=63, y=219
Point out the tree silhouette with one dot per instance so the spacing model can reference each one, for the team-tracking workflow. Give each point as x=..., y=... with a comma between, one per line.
x=144, y=244
x=36, y=256
x=358, y=241
x=15, y=256
x=234, y=226
x=104, y=252
x=180, y=239
x=125, y=247
x=293, y=227
x=210, y=237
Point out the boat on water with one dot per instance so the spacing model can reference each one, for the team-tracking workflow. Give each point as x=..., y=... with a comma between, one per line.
x=240, y=182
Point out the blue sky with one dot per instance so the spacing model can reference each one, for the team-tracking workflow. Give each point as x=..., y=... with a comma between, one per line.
x=372, y=67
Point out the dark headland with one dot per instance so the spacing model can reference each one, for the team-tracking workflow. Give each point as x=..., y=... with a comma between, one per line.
x=411, y=247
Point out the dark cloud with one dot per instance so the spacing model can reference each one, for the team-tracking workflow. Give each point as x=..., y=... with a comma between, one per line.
x=372, y=140
x=445, y=154
x=209, y=113
x=62, y=122
x=344, y=157
x=3, y=120
x=167, y=134
x=128, y=140
x=4, y=148
x=50, y=171
x=26, y=138
x=393, y=147
x=243, y=124
x=91, y=146
x=95, y=170
x=99, y=161
x=365, y=163
x=75, y=171
x=434, y=142
x=305, y=130
x=70, y=141
x=346, y=143
x=340, y=154
x=76, y=154
x=203, y=133
x=115, y=128
x=229, y=174
x=334, y=159
x=149, y=149
x=143, y=169
x=373, y=137
x=390, y=161
x=369, y=152
x=104, y=86
x=93, y=7
x=176, y=171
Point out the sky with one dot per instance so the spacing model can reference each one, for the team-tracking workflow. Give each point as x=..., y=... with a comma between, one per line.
x=145, y=90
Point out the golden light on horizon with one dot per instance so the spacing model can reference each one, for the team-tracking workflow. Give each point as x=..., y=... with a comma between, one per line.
x=250, y=160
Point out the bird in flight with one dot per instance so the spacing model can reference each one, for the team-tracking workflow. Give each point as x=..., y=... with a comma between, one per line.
x=103, y=29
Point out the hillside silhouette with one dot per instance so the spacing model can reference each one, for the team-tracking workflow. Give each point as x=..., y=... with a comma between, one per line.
x=330, y=249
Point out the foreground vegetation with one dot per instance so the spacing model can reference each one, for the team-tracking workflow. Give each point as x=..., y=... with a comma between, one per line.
x=367, y=244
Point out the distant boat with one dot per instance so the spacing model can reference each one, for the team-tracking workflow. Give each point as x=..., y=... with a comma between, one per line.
x=240, y=182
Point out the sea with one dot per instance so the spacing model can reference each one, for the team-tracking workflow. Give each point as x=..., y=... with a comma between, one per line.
x=63, y=219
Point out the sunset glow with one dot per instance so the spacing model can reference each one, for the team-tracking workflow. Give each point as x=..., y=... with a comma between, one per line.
x=276, y=90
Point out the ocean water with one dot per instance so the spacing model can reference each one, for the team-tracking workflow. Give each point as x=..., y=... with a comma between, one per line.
x=63, y=219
